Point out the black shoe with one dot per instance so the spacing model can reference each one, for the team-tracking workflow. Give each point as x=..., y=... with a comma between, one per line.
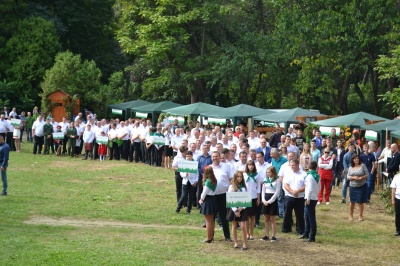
x=396, y=234
x=264, y=238
x=208, y=240
x=309, y=240
x=228, y=240
x=343, y=200
x=286, y=231
x=303, y=237
x=204, y=224
x=273, y=239
x=3, y=194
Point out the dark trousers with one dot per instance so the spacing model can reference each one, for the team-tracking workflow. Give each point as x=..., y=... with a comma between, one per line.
x=221, y=201
x=199, y=187
x=296, y=204
x=38, y=143
x=310, y=219
x=138, y=151
x=178, y=185
x=150, y=155
x=64, y=144
x=71, y=147
x=114, y=151
x=48, y=142
x=29, y=135
x=187, y=197
x=397, y=212
x=10, y=140
x=125, y=149
x=158, y=154
x=144, y=152
x=95, y=150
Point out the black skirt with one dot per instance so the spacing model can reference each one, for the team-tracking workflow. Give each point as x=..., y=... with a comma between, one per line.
x=209, y=206
x=358, y=194
x=271, y=209
x=168, y=150
x=232, y=217
x=251, y=211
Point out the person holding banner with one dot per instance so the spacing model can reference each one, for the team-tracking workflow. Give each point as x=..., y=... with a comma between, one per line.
x=17, y=133
x=236, y=214
x=208, y=202
x=189, y=187
x=58, y=142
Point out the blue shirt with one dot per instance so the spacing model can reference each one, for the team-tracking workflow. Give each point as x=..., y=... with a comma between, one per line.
x=368, y=160
x=4, y=154
x=278, y=163
x=203, y=161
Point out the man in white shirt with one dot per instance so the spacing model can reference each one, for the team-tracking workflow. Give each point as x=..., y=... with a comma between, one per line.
x=135, y=142
x=3, y=126
x=223, y=174
x=38, y=136
x=312, y=188
x=176, y=141
x=64, y=127
x=123, y=134
x=293, y=183
x=253, y=140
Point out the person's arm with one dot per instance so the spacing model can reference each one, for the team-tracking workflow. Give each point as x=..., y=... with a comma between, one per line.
x=393, y=196
x=277, y=192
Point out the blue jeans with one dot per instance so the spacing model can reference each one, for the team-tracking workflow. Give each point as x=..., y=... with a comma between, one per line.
x=311, y=221
x=4, y=180
x=370, y=185
x=28, y=134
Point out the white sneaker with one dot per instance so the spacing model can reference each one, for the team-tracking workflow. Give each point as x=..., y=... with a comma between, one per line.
x=318, y=203
x=327, y=203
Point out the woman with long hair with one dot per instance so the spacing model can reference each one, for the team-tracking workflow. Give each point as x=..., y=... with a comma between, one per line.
x=271, y=189
x=208, y=202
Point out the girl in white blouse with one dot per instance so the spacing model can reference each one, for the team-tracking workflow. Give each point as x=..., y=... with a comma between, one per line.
x=271, y=187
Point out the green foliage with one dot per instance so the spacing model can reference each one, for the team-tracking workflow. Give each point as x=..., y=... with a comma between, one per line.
x=30, y=51
x=386, y=196
x=75, y=77
x=308, y=131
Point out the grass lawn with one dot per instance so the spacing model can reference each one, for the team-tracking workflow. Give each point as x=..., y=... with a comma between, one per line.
x=66, y=211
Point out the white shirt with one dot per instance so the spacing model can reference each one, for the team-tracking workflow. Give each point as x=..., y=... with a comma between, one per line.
x=253, y=187
x=312, y=188
x=88, y=136
x=268, y=189
x=262, y=169
x=396, y=185
x=223, y=174
x=38, y=127
x=64, y=127
x=295, y=180
x=177, y=142
x=3, y=126
x=122, y=131
x=254, y=143
x=239, y=166
x=135, y=132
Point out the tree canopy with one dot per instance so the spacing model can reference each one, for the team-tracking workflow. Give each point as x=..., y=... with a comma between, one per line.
x=333, y=55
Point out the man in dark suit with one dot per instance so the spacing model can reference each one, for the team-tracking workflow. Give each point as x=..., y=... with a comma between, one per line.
x=393, y=165
x=266, y=150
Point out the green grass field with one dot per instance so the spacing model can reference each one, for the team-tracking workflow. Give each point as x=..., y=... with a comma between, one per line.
x=66, y=211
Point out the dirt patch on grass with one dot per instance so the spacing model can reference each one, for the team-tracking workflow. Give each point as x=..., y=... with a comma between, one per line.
x=44, y=220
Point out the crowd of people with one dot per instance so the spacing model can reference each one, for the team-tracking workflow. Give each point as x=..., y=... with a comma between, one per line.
x=283, y=173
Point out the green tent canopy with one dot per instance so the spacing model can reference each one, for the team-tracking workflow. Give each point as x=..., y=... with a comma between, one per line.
x=155, y=108
x=127, y=106
x=395, y=134
x=389, y=124
x=351, y=120
x=194, y=109
x=239, y=111
x=288, y=116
